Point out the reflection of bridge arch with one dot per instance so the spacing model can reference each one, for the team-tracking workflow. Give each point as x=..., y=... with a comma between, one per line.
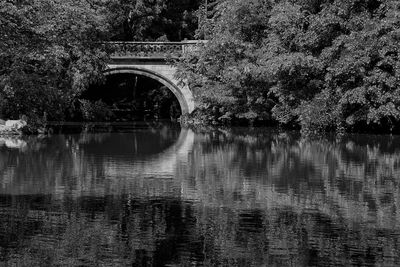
x=163, y=74
x=160, y=165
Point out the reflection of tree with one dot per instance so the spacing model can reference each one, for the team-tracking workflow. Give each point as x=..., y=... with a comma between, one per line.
x=239, y=198
x=320, y=201
x=123, y=231
x=74, y=163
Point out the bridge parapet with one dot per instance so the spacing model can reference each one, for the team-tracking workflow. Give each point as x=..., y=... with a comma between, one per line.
x=150, y=49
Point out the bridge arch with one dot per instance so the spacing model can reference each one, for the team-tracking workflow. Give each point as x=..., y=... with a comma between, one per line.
x=164, y=75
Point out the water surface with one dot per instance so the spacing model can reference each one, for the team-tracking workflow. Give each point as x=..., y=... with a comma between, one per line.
x=157, y=195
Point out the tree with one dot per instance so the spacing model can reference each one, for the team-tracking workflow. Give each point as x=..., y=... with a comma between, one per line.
x=130, y=19
x=149, y=20
x=315, y=63
x=225, y=74
x=49, y=54
x=178, y=21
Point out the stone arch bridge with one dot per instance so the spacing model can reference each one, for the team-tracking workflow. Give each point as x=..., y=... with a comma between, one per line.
x=150, y=59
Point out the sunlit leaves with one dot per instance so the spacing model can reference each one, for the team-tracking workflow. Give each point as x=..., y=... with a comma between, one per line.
x=323, y=64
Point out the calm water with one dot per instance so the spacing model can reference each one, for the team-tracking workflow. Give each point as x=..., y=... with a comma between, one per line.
x=165, y=196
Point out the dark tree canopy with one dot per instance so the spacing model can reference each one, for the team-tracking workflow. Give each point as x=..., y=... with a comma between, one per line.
x=141, y=20
x=48, y=54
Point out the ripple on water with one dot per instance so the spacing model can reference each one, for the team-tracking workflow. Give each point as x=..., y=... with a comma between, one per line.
x=235, y=197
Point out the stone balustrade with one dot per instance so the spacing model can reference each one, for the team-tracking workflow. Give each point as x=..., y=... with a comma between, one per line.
x=149, y=49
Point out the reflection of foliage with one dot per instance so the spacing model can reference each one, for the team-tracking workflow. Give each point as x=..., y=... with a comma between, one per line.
x=239, y=198
x=310, y=199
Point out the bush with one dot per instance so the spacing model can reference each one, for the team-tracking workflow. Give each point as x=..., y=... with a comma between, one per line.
x=97, y=111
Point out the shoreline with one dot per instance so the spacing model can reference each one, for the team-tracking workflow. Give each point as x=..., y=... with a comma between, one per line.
x=60, y=127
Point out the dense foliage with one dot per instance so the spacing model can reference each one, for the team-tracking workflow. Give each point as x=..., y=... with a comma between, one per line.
x=315, y=63
x=130, y=19
x=152, y=20
x=48, y=54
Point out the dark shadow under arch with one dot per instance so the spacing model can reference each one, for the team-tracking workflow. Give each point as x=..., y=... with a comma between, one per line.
x=156, y=76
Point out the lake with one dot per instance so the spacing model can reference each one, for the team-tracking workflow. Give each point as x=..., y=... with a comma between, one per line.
x=160, y=195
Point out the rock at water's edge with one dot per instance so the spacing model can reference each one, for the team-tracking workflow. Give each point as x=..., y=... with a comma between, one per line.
x=11, y=127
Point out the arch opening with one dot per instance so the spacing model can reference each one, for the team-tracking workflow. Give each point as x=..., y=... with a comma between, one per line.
x=183, y=94
x=130, y=95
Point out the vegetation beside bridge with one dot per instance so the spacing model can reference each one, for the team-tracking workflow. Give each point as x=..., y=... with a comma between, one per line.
x=317, y=65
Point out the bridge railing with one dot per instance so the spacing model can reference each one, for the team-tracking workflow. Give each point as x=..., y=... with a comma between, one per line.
x=150, y=49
